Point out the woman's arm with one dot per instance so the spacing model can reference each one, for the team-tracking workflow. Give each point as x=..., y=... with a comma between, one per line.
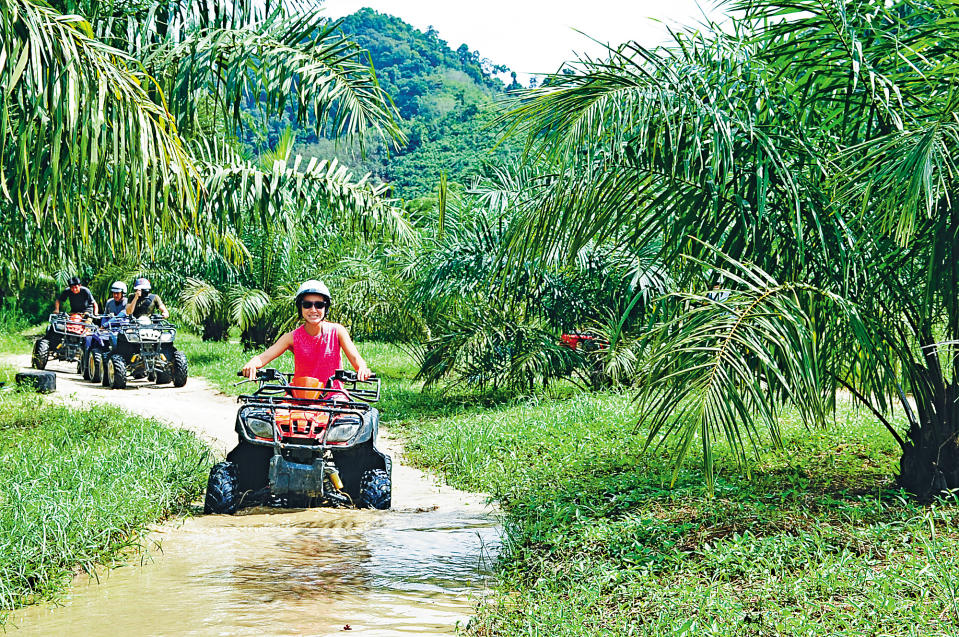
x=349, y=348
x=284, y=343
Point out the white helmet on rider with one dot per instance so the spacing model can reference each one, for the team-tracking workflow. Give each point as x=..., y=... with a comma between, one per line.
x=118, y=286
x=313, y=286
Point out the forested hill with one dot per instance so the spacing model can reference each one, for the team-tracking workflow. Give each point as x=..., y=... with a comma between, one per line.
x=425, y=77
x=446, y=99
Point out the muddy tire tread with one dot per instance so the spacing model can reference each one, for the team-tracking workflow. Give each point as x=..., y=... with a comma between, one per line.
x=180, y=369
x=95, y=366
x=41, y=354
x=376, y=490
x=118, y=372
x=222, y=489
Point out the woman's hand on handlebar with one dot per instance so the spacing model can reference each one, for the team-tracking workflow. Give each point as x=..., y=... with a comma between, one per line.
x=249, y=370
x=363, y=373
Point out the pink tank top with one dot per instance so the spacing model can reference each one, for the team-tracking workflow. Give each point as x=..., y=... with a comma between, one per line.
x=317, y=356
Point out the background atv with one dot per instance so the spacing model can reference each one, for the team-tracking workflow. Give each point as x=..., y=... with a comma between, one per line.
x=144, y=348
x=63, y=341
x=98, y=346
x=300, y=445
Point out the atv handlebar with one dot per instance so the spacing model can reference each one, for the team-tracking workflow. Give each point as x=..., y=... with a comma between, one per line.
x=269, y=373
x=366, y=391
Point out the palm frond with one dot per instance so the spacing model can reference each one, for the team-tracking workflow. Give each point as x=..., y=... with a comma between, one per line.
x=80, y=141
x=247, y=306
x=198, y=301
x=318, y=189
x=726, y=364
x=267, y=63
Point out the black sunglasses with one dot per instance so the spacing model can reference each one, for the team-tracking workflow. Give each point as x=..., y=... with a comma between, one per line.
x=320, y=305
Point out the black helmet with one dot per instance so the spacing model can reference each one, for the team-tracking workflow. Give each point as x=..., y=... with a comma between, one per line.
x=74, y=280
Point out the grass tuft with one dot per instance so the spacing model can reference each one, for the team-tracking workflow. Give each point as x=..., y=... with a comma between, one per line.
x=80, y=487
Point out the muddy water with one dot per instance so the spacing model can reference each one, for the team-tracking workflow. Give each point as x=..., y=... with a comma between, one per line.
x=418, y=569
x=275, y=572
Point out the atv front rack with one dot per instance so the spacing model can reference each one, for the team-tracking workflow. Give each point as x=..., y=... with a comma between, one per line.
x=274, y=382
x=290, y=417
x=158, y=331
x=66, y=324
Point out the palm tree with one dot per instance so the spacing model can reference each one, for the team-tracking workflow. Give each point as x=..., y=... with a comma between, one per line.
x=805, y=157
x=500, y=327
x=115, y=121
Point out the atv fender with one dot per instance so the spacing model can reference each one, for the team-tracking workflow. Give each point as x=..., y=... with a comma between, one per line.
x=353, y=462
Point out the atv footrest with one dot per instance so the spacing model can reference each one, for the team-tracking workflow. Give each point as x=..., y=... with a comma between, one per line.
x=294, y=477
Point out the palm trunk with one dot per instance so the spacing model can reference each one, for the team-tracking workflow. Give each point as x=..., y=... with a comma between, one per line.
x=930, y=461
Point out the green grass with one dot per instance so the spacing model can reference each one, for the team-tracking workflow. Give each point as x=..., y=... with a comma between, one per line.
x=16, y=335
x=79, y=488
x=218, y=362
x=811, y=541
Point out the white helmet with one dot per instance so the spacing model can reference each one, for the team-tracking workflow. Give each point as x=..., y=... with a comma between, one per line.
x=312, y=286
x=118, y=286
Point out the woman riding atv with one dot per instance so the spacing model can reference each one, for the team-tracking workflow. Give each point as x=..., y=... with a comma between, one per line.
x=316, y=344
x=316, y=347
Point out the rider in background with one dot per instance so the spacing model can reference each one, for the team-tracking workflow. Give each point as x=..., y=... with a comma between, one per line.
x=80, y=297
x=117, y=304
x=317, y=343
x=142, y=303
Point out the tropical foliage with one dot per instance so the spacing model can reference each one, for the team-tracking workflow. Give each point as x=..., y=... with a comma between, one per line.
x=808, y=150
x=446, y=100
x=116, y=119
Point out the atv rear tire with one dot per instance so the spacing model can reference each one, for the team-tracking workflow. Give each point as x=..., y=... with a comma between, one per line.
x=376, y=490
x=104, y=363
x=222, y=489
x=41, y=353
x=95, y=365
x=115, y=373
x=180, y=369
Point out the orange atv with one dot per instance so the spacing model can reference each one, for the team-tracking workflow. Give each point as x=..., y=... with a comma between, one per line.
x=64, y=340
x=303, y=444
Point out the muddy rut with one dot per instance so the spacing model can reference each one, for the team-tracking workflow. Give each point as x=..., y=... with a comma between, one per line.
x=417, y=569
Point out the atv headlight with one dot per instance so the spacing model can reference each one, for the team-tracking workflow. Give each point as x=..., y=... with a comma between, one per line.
x=166, y=338
x=259, y=424
x=132, y=335
x=343, y=432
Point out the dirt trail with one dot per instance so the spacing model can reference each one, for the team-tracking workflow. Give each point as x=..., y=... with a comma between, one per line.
x=417, y=569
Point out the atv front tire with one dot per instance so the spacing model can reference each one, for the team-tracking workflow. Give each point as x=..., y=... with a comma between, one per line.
x=180, y=370
x=95, y=365
x=222, y=489
x=41, y=353
x=376, y=490
x=115, y=375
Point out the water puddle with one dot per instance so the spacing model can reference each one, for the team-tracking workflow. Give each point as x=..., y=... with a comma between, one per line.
x=289, y=572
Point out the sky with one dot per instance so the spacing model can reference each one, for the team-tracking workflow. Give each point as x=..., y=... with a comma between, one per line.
x=536, y=36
